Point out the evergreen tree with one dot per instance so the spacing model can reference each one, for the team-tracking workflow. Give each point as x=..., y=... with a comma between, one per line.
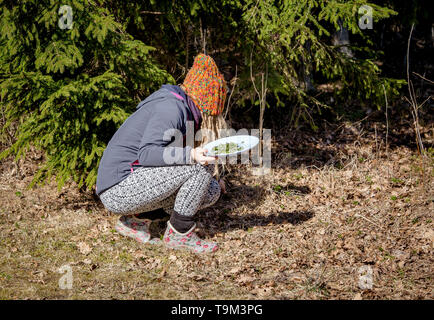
x=69, y=87
x=294, y=38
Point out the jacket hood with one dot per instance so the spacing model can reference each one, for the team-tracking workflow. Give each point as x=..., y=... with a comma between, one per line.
x=160, y=94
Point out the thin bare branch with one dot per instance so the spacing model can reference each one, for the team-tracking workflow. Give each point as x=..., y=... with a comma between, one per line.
x=232, y=91
x=387, y=120
x=152, y=12
x=428, y=80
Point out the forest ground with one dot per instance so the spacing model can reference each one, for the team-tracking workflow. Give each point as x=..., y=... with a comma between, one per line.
x=337, y=206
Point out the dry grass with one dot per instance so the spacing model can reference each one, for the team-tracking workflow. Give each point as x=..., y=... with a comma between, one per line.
x=302, y=232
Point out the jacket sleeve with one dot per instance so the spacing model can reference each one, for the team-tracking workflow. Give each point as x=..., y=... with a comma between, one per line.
x=162, y=140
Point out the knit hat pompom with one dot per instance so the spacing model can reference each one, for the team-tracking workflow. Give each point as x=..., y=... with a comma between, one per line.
x=206, y=85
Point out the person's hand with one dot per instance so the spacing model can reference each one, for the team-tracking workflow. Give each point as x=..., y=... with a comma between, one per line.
x=198, y=155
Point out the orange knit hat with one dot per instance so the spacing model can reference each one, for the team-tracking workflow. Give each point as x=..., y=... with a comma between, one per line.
x=206, y=85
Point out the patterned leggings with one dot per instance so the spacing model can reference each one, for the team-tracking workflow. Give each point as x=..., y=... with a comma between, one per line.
x=184, y=189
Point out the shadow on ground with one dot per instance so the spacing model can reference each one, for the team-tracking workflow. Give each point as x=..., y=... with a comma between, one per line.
x=219, y=220
x=224, y=222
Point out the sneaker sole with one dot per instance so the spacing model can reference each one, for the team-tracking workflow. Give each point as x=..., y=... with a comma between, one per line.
x=187, y=248
x=125, y=232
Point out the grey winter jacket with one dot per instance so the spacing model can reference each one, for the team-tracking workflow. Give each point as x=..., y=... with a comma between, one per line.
x=141, y=141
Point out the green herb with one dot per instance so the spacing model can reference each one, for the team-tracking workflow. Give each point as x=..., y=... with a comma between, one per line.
x=225, y=148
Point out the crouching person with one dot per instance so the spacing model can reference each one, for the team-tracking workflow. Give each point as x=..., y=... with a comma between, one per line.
x=135, y=180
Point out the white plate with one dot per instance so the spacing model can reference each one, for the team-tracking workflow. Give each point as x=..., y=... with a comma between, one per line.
x=246, y=142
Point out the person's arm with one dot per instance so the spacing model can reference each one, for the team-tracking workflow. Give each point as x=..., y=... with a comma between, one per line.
x=154, y=149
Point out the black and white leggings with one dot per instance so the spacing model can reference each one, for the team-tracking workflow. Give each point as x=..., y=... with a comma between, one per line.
x=180, y=190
